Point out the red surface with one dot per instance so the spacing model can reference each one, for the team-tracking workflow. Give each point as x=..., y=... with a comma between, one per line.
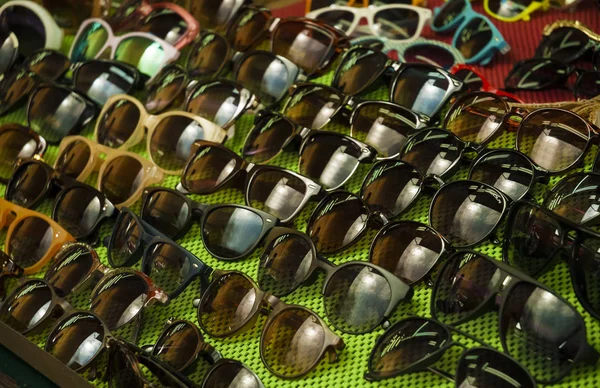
x=523, y=38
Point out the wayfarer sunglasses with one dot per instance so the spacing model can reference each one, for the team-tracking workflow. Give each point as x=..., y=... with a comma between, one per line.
x=18, y=142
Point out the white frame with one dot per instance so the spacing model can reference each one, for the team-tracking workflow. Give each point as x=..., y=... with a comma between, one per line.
x=54, y=34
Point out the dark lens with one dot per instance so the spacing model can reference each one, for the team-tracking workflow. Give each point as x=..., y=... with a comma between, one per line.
x=210, y=168
x=476, y=117
x=474, y=37
x=177, y=344
x=27, y=27
x=73, y=159
x=421, y=89
x=340, y=19
x=214, y=14
x=164, y=23
x=123, y=369
x=79, y=210
x=508, y=171
x=356, y=298
x=247, y=29
x=313, y=106
x=209, y=56
x=8, y=49
x=30, y=241
x=533, y=239
x=91, y=40
x=448, y=14
x=565, y=44
x=471, y=80
x=100, y=80
x=267, y=138
x=125, y=240
x=359, y=69
x=541, y=331
x=305, y=44
x=118, y=123
x=407, y=249
x=277, y=192
x=55, y=112
x=122, y=177
x=48, y=64
x=292, y=342
x=165, y=89
x=16, y=142
x=66, y=16
x=119, y=298
x=407, y=342
x=28, y=306
x=585, y=272
x=553, y=139
x=432, y=152
x=145, y=54
x=482, y=367
x=536, y=74
x=230, y=373
x=172, y=140
x=76, y=340
x=227, y=305
x=166, y=211
x=466, y=282
x=588, y=83
x=575, y=198
x=265, y=75
x=391, y=187
x=14, y=87
x=431, y=54
x=168, y=266
x=221, y=102
x=29, y=183
x=510, y=10
x=337, y=222
x=285, y=264
x=230, y=232
x=74, y=264
x=466, y=212
x=396, y=23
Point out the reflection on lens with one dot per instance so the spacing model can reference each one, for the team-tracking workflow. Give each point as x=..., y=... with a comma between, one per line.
x=247, y=28
x=508, y=171
x=229, y=373
x=421, y=89
x=121, y=179
x=167, y=212
x=73, y=159
x=28, y=184
x=79, y=210
x=267, y=138
x=474, y=37
x=28, y=306
x=14, y=87
x=472, y=81
x=211, y=167
x=91, y=40
x=536, y=74
x=164, y=23
x=220, y=102
x=396, y=23
x=432, y=152
x=48, y=64
x=588, y=84
x=508, y=10
x=430, y=54
x=340, y=19
x=208, y=56
x=585, y=270
x=15, y=143
x=123, y=369
x=359, y=69
x=147, y=55
x=100, y=80
x=265, y=75
x=177, y=344
x=168, y=266
x=27, y=26
x=30, y=241
x=482, y=367
x=575, y=198
x=125, y=240
x=74, y=264
x=277, y=192
x=172, y=140
x=476, y=117
x=564, y=43
x=448, y=14
x=165, y=89
x=313, y=106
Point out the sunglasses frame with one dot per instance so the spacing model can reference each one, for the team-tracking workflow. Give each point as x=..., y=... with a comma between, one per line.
x=224, y=361
x=485, y=84
x=8, y=269
x=592, y=43
x=40, y=142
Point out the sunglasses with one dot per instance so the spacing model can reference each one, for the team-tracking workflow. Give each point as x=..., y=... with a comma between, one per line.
x=124, y=121
x=476, y=37
x=8, y=270
x=78, y=208
x=556, y=140
x=231, y=305
x=275, y=190
x=568, y=41
x=474, y=81
x=122, y=175
x=516, y=12
x=290, y=259
x=317, y=4
x=415, y=344
x=146, y=52
x=17, y=141
x=538, y=328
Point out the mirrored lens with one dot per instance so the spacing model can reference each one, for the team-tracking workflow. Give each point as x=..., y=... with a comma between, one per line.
x=209, y=56
x=79, y=210
x=178, y=344
x=165, y=89
x=220, y=102
x=73, y=265
x=124, y=241
x=168, y=266
x=73, y=159
x=482, y=367
x=508, y=171
x=575, y=199
x=265, y=75
x=210, y=168
x=100, y=80
x=448, y=14
x=122, y=177
x=396, y=23
x=167, y=212
x=359, y=69
x=29, y=305
x=313, y=106
x=147, y=55
x=28, y=185
x=277, y=192
x=230, y=232
x=172, y=140
x=268, y=137
x=231, y=374
x=421, y=89
x=476, y=117
x=89, y=43
x=30, y=241
x=432, y=152
x=473, y=38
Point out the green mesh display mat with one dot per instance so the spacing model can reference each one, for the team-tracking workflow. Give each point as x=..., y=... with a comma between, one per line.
x=352, y=363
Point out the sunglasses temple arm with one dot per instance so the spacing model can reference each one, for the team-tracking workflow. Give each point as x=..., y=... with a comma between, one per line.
x=441, y=373
x=466, y=335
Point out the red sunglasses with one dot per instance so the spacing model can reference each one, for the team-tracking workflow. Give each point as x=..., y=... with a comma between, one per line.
x=474, y=81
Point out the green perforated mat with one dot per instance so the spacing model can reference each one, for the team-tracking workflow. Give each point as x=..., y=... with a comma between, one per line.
x=352, y=363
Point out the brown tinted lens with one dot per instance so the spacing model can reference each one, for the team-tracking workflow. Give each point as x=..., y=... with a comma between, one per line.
x=210, y=168
x=209, y=56
x=164, y=90
x=168, y=266
x=220, y=102
x=396, y=23
x=14, y=88
x=277, y=192
x=166, y=211
x=99, y=80
x=177, y=345
x=172, y=140
x=490, y=368
x=292, y=342
x=338, y=221
x=124, y=241
x=118, y=123
x=407, y=249
x=508, y=171
x=313, y=106
x=230, y=232
x=247, y=29
x=228, y=305
x=553, y=139
x=476, y=117
x=71, y=267
x=267, y=138
x=164, y=23
x=15, y=143
x=359, y=69
x=73, y=159
x=422, y=89
x=123, y=176
x=574, y=198
x=79, y=210
x=30, y=241
x=119, y=298
x=230, y=373
x=28, y=306
x=29, y=183
x=48, y=64
x=432, y=152
x=265, y=75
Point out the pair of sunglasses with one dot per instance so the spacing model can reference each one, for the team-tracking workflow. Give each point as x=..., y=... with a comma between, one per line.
x=123, y=123
x=476, y=37
x=18, y=142
x=78, y=208
x=8, y=270
x=318, y=4
x=568, y=41
x=474, y=81
x=538, y=328
x=415, y=344
x=357, y=296
x=272, y=189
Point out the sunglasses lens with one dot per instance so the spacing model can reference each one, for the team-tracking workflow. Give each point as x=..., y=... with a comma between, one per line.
x=509, y=172
x=396, y=23
x=76, y=340
x=147, y=55
x=574, y=198
x=100, y=80
x=409, y=250
x=30, y=241
x=167, y=212
x=277, y=192
x=565, y=44
x=474, y=37
x=123, y=369
x=79, y=210
x=448, y=13
x=340, y=19
x=172, y=140
x=73, y=159
x=466, y=212
x=168, y=266
x=356, y=298
x=230, y=373
x=430, y=54
x=89, y=42
x=553, y=139
x=164, y=90
x=28, y=184
x=125, y=240
x=359, y=69
x=121, y=179
x=313, y=106
x=421, y=89
x=292, y=342
x=118, y=123
x=164, y=23
x=14, y=87
x=71, y=267
x=391, y=187
x=535, y=74
x=265, y=75
x=118, y=298
x=8, y=49
x=588, y=83
x=476, y=118
x=267, y=138
x=432, y=152
x=247, y=29
x=27, y=307
x=285, y=264
x=480, y=368
x=210, y=168
x=472, y=81
x=541, y=331
x=27, y=26
x=48, y=64
x=230, y=232
x=499, y=8
x=209, y=56
x=15, y=143
x=220, y=102
x=177, y=344
x=337, y=221
x=227, y=305
x=409, y=341
x=584, y=272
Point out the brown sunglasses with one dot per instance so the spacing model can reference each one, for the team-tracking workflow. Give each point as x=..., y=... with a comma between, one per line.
x=17, y=142
x=8, y=269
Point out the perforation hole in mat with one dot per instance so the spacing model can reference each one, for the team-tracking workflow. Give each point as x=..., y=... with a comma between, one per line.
x=348, y=372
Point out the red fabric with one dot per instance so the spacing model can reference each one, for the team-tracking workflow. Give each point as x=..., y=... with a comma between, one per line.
x=523, y=38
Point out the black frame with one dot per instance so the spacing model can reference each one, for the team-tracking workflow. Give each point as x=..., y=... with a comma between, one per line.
x=8, y=269
x=40, y=142
x=223, y=362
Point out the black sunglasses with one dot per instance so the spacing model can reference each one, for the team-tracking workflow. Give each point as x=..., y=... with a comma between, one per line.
x=17, y=143
x=8, y=270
